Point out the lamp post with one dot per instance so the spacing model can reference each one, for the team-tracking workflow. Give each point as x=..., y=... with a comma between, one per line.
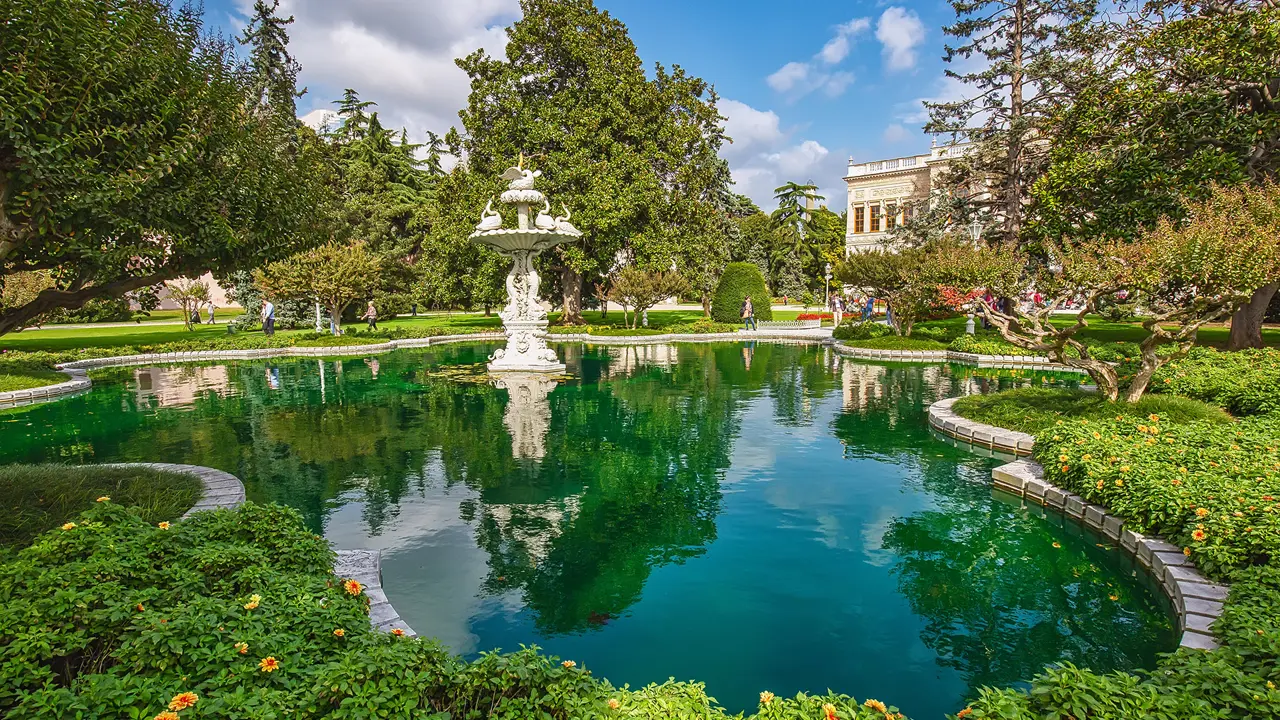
x=975, y=234
x=827, y=287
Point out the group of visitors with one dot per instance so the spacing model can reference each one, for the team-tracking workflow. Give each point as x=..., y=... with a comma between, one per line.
x=839, y=304
x=268, y=316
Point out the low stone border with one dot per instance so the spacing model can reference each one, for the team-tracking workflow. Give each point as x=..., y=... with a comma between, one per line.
x=78, y=382
x=1019, y=362
x=224, y=490
x=1197, y=600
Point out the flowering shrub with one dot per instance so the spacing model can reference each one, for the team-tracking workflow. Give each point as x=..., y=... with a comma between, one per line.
x=815, y=316
x=989, y=345
x=1245, y=382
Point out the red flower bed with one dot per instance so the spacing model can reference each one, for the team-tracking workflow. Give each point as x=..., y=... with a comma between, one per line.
x=814, y=316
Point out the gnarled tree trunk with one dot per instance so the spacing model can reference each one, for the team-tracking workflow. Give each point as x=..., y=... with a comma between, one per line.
x=1246, y=323
x=571, y=291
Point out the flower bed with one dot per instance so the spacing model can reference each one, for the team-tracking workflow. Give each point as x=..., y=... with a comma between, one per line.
x=234, y=614
x=815, y=316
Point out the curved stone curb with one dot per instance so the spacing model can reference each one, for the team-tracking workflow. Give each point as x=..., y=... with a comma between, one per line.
x=945, y=421
x=1010, y=362
x=1197, y=600
x=224, y=490
x=78, y=382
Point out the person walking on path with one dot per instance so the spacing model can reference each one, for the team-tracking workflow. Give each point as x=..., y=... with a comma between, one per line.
x=371, y=314
x=211, y=311
x=837, y=309
x=748, y=314
x=268, y=318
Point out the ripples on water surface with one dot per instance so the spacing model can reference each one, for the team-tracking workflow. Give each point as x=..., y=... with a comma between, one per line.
x=767, y=517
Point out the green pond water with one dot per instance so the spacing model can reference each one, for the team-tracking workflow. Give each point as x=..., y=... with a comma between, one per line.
x=762, y=517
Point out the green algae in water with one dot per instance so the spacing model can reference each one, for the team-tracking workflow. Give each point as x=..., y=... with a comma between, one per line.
x=757, y=517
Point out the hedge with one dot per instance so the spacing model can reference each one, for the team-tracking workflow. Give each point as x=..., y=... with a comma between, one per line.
x=1245, y=382
x=737, y=282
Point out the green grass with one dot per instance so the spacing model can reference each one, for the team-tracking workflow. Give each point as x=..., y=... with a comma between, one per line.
x=893, y=342
x=36, y=498
x=1032, y=410
x=27, y=379
x=1104, y=331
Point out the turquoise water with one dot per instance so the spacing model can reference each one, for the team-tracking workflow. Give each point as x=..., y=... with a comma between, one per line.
x=758, y=518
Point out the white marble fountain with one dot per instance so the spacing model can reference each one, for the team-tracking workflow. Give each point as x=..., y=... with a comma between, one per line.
x=523, y=319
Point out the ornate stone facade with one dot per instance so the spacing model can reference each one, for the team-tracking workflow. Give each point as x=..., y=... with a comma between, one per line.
x=884, y=193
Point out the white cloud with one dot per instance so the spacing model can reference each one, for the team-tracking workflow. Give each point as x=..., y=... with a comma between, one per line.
x=900, y=31
x=797, y=79
x=764, y=155
x=895, y=133
x=397, y=53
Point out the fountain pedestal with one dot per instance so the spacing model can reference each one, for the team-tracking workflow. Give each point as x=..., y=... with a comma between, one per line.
x=523, y=319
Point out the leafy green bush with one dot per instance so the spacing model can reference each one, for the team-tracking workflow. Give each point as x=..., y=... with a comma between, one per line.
x=234, y=614
x=738, y=281
x=703, y=326
x=936, y=334
x=986, y=344
x=1246, y=382
x=861, y=330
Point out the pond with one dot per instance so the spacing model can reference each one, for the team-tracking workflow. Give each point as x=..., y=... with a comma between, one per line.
x=758, y=517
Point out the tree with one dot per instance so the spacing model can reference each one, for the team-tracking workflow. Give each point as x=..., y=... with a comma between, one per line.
x=1168, y=106
x=190, y=295
x=1016, y=91
x=127, y=157
x=617, y=148
x=907, y=278
x=738, y=282
x=640, y=290
x=273, y=69
x=334, y=274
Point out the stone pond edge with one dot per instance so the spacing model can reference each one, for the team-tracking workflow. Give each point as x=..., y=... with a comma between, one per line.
x=224, y=490
x=1198, y=601
x=78, y=382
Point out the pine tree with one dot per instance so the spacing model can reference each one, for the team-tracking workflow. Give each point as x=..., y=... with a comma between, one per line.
x=1016, y=91
x=275, y=72
x=351, y=111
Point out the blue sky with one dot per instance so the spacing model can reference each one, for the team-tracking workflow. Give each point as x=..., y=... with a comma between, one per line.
x=804, y=85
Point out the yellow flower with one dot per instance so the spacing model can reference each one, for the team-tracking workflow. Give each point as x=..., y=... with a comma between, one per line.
x=1201, y=512
x=1119, y=482
x=163, y=525
x=1153, y=417
x=353, y=587
x=1186, y=551
x=1198, y=535
x=569, y=663
x=1142, y=428
x=397, y=632
x=242, y=647
x=829, y=711
x=166, y=715
x=182, y=701
x=69, y=526
x=1099, y=486
x=339, y=632
x=1271, y=685
x=1062, y=458
x=104, y=498
x=766, y=697
x=268, y=664
x=1124, y=468
x=614, y=704
x=254, y=600
x=876, y=705
x=1087, y=457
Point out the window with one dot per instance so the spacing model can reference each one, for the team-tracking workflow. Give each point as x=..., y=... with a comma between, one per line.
x=875, y=219
x=859, y=219
x=890, y=216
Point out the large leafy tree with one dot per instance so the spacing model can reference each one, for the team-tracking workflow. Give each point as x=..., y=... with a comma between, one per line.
x=1016, y=48
x=129, y=154
x=1174, y=98
x=334, y=275
x=616, y=147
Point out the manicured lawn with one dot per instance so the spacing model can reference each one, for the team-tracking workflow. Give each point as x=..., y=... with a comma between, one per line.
x=27, y=379
x=36, y=498
x=893, y=342
x=1033, y=410
x=1104, y=331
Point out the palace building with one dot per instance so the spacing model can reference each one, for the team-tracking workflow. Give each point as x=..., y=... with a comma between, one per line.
x=885, y=193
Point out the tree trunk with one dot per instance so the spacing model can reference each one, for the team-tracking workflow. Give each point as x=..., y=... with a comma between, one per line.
x=571, y=291
x=604, y=308
x=1246, y=323
x=706, y=305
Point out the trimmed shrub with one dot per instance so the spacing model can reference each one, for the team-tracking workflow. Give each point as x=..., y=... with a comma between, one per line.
x=738, y=281
x=1245, y=382
x=861, y=330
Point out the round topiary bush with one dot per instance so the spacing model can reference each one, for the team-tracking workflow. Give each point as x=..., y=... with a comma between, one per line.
x=737, y=282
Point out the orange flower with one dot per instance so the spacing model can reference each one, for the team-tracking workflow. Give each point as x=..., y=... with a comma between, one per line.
x=353, y=587
x=1065, y=468
x=876, y=705
x=1057, y=544
x=163, y=525
x=766, y=697
x=253, y=602
x=268, y=664
x=339, y=632
x=397, y=632
x=569, y=663
x=1186, y=551
x=166, y=715
x=104, y=498
x=1201, y=512
x=1114, y=597
x=182, y=701
x=69, y=526
x=964, y=713
x=242, y=647
x=1198, y=535
x=830, y=711
x=614, y=704
x=141, y=608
